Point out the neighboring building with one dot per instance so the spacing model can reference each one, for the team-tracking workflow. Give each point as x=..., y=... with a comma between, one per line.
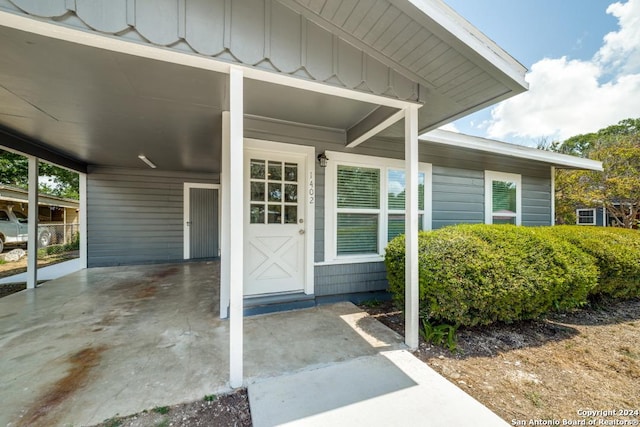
x=592, y=216
x=198, y=126
x=599, y=217
x=58, y=216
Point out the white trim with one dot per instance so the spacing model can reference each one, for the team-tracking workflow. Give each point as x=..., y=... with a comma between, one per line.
x=116, y=44
x=82, y=219
x=411, y=332
x=489, y=177
x=355, y=259
x=330, y=209
x=225, y=229
x=594, y=212
x=236, y=223
x=455, y=139
x=377, y=129
x=553, y=195
x=186, y=213
x=604, y=216
x=32, y=224
x=310, y=202
x=470, y=36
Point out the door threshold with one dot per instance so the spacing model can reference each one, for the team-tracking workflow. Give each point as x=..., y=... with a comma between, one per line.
x=264, y=304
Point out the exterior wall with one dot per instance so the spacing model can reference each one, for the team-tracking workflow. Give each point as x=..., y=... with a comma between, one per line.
x=458, y=193
x=127, y=207
x=601, y=217
x=350, y=278
x=458, y=196
x=536, y=196
x=136, y=216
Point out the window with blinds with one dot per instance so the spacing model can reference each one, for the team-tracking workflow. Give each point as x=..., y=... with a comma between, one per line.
x=502, y=198
x=358, y=210
x=396, y=189
x=365, y=205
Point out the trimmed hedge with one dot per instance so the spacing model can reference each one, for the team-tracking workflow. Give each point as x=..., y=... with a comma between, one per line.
x=617, y=255
x=479, y=274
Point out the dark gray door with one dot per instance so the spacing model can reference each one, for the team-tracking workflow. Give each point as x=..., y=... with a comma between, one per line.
x=203, y=222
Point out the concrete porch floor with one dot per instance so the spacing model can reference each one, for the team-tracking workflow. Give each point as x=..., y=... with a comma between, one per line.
x=109, y=341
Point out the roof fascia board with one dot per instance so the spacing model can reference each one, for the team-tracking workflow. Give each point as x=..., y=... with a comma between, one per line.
x=115, y=44
x=467, y=38
x=20, y=144
x=454, y=139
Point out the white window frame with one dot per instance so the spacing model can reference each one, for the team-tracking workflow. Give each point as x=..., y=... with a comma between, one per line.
x=593, y=214
x=489, y=177
x=331, y=210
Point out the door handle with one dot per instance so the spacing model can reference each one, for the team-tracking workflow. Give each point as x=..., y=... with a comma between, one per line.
x=300, y=231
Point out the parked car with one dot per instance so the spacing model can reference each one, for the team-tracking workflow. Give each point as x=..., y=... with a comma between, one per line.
x=13, y=230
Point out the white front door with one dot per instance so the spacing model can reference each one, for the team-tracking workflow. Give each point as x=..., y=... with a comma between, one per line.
x=275, y=229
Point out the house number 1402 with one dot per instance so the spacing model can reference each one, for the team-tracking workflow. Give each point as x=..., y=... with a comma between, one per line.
x=311, y=191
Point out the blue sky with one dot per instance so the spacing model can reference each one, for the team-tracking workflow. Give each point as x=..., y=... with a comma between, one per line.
x=583, y=58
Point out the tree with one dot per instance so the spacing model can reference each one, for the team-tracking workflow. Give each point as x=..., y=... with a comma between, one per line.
x=14, y=170
x=617, y=188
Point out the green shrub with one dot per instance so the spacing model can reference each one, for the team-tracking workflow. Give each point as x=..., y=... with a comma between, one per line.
x=616, y=252
x=479, y=274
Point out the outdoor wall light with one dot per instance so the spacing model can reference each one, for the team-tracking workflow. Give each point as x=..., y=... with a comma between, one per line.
x=147, y=161
x=322, y=158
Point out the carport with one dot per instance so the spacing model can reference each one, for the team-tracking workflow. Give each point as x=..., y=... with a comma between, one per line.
x=146, y=88
x=104, y=341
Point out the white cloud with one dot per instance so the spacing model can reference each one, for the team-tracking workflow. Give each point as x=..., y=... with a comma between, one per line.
x=569, y=97
x=622, y=48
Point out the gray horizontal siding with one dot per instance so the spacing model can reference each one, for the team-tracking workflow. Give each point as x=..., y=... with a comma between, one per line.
x=458, y=196
x=350, y=278
x=135, y=216
x=536, y=201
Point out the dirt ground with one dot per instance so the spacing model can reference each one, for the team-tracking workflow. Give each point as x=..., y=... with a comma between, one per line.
x=10, y=268
x=226, y=410
x=551, y=369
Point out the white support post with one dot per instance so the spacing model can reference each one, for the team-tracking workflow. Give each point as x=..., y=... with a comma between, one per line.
x=225, y=236
x=236, y=223
x=82, y=220
x=32, y=225
x=553, y=195
x=411, y=224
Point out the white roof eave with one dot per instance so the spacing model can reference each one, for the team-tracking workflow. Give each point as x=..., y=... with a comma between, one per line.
x=454, y=139
x=470, y=36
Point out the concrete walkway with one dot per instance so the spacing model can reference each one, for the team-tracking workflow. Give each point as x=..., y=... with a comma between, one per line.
x=108, y=341
x=51, y=272
x=392, y=388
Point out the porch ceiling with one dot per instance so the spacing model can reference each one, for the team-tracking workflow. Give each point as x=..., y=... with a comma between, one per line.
x=106, y=108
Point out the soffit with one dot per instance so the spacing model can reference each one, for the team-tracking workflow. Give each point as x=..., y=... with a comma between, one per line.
x=106, y=108
x=406, y=49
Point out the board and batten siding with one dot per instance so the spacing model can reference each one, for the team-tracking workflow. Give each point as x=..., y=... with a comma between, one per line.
x=136, y=216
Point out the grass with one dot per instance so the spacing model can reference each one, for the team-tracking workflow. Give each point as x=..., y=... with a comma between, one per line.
x=535, y=398
x=210, y=397
x=162, y=410
x=371, y=303
x=113, y=422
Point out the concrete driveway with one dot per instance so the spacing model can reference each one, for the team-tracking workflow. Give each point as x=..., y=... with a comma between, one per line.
x=108, y=341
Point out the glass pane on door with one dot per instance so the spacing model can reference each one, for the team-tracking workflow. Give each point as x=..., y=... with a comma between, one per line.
x=273, y=192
